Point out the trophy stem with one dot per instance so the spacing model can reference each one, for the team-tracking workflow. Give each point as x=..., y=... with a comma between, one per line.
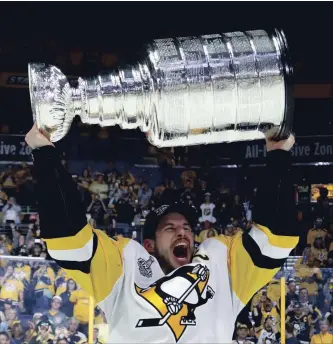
x=118, y=98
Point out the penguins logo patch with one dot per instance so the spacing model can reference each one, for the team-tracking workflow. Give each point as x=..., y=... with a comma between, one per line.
x=176, y=298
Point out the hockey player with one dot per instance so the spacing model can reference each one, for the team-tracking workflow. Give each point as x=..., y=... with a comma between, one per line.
x=166, y=291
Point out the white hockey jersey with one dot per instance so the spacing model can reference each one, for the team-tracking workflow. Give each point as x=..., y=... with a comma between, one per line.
x=197, y=303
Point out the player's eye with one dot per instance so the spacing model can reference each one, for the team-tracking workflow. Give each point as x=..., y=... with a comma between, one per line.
x=187, y=228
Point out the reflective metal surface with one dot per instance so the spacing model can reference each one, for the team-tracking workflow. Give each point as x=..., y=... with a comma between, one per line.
x=193, y=90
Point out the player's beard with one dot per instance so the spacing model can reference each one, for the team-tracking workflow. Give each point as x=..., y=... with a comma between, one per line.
x=163, y=261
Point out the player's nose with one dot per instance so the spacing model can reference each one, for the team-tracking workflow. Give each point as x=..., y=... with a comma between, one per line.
x=180, y=231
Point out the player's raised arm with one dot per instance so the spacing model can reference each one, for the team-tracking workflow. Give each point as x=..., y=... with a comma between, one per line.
x=86, y=254
x=256, y=256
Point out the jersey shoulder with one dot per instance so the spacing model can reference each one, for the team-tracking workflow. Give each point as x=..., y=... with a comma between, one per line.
x=124, y=246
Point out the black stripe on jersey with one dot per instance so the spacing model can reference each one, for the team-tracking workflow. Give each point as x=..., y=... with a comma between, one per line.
x=81, y=266
x=257, y=257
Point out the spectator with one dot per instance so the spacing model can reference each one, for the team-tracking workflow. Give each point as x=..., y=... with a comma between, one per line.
x=207, y=209
x=22, y=272
x=144, y=195
x=3, y=247
x=318, y=251
x=329, y=262
x=99, y=187
x=99, y=316
x=274, y=287
x=54, y=315
x=291, y=296
x=80, y=299
x=74, y=335
x=169, y=193
x=67, y=306
x=11, y=212
x=4, y=338
x=264, y=310
x=36, y=250
x=61, y=282
x=11, y=318
x=309, y=278
x=316, y=232
x=3, y=198
x=229, y=230
x=303, y=261
x=300, y=321
x=3, y=322
x=84, y=182
x=188, y=177
x=43, y=281
x=322, y=208
x=19, y=245
x=125, y=212
x=324, y=336
x=11, y=288
x=188, y=196
x=97, y=210
x=128, y=178
x=307, y=307
x=291, y=333
x=45, y=333
x=223, y=213
x=86, y=178
x=17, y=333
x=9, y=182
x=61, y=335
x=95, y=337
x=32, y=331
x=242, y=335
x=207, y=232
x=329, y=315
x=270, y=333
x=237, y=209
x=115, y=194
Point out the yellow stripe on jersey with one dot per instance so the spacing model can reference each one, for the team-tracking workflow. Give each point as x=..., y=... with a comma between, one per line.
x=246, y=277
x=72, y=242
x=106, y=266
x=270, y=245
x=278, y=240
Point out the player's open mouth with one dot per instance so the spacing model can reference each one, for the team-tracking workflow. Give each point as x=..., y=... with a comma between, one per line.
x=181, y=252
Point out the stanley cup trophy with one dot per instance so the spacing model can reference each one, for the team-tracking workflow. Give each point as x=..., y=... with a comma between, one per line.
x=185, y=91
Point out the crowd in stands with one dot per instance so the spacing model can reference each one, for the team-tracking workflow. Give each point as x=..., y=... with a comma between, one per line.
x=40, y=304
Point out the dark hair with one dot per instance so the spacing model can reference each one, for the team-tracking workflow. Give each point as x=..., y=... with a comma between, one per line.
x=303, y=289
x=289, y=328
x=5, y=334
x=70, y=279
x=86, y=169
x=318, y=243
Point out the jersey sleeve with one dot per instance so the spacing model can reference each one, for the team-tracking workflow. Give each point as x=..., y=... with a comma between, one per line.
x=91, y=258
x=255, y=256
x=87, y=255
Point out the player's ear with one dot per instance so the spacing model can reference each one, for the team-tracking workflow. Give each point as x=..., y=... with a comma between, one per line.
x=149, y=245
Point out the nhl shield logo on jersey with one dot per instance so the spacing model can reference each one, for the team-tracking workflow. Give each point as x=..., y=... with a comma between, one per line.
x=145, y=267
x=176, y=298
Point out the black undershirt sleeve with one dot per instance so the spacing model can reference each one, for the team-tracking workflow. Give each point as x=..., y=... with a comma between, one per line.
x=60, y=206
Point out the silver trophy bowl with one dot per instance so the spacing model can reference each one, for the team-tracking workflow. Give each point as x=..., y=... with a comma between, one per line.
x=185, y=91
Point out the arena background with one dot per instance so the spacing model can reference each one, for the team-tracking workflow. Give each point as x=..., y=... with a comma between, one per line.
x=84, y=38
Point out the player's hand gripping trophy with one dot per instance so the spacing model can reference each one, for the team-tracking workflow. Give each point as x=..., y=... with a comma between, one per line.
x=186, y=91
